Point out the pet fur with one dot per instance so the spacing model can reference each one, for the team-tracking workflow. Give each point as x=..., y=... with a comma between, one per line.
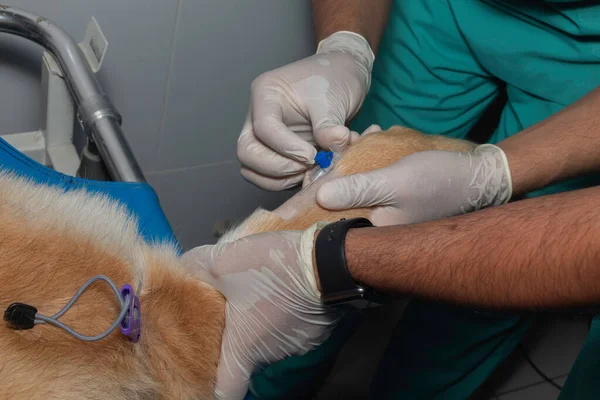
x=52, y=242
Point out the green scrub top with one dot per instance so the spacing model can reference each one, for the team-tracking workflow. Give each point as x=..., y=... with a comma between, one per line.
x=440, y=64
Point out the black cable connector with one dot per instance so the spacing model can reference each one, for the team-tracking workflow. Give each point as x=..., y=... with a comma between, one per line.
x=20, y=316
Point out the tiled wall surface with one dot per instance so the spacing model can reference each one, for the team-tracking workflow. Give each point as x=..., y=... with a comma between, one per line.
x=553, y=345
x=179, y=71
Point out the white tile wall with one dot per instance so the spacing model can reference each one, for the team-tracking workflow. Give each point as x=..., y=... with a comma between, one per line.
x=194, y=199
x=219, y=48
x=134, y=73
x=179, y=71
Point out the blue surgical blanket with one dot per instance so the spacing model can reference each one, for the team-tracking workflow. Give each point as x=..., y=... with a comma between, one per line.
x=139, y=198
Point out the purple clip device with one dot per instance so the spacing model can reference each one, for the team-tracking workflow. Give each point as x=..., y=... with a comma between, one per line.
x=130, y=325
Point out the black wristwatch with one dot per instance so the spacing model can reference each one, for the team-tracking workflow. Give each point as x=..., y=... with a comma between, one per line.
x=337, y=286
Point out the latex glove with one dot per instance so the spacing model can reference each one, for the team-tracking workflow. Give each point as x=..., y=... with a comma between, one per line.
x=273, y=305
x=308, y=177
x=300, y=106
x=425, y=186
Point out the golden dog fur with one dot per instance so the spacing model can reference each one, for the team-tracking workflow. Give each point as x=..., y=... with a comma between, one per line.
x=52, y=242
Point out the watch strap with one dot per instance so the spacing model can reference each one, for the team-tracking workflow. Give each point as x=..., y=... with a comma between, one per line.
x=337, y=285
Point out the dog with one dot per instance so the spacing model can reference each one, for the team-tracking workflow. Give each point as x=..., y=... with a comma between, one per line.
x=52, y=242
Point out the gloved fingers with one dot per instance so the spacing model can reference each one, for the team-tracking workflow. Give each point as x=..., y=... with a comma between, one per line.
x=255, y=155
x=331, y=133
x=269, y=128
x=371, y=129
x=272, y=184
x=261, y=159
x=354, y=136
x=356, y=191
x=389, y=215
x=233, y=379
x=199, y=261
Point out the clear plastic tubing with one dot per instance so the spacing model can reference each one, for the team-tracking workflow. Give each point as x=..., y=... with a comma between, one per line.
x=325, y=161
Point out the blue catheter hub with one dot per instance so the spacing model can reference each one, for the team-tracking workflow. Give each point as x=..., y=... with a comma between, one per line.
x=323, y=158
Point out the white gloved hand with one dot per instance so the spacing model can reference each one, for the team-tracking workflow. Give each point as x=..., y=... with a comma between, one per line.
x=273, y=305
x=302, y=105
x=425, y=186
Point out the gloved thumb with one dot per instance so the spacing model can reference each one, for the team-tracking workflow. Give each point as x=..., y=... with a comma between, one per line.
x=354, y=136
x=330, y=132
x=199, y=262
x=356, y=191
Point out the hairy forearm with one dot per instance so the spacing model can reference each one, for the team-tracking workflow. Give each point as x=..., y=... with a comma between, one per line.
x=563, y=146
x=365, y=17
x=536, y=253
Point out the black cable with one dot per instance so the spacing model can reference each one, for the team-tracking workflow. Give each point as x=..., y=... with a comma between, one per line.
x=540, y=373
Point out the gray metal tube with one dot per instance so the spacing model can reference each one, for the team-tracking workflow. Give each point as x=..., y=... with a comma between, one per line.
x=100, y=119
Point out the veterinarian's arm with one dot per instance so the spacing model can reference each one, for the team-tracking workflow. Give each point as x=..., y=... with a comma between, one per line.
x=435, y=184
x=542, y=252
x=563, y=146
x=271, y=295
x=304, y=105
x=424, y=186
x=365, y=17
